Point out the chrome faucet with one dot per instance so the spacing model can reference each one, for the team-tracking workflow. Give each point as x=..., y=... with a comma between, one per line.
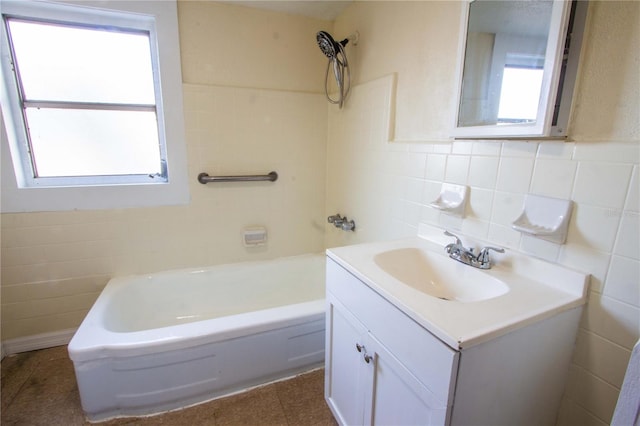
x=341, y=222
x=459, y=252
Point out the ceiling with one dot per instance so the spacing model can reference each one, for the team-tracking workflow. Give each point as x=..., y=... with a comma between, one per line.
x=319, y=9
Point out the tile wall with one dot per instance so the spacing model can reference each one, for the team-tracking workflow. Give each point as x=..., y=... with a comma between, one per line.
x=54, y=264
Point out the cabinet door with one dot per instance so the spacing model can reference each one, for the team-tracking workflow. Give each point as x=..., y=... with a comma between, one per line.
x=343, y=369
x=396, y=396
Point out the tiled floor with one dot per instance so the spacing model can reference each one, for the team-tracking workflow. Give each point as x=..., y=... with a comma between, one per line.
x=39, y=388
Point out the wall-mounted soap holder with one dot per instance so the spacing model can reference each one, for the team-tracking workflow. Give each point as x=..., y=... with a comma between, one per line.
x=544, y=217
x=452, y=199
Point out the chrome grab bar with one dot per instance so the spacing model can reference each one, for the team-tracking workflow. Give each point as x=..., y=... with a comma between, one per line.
x=205, y=178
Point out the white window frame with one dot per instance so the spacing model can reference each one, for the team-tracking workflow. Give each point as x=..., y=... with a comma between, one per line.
x=20, y=191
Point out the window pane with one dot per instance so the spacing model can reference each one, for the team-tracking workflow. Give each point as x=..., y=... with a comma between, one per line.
x=80, y=64
x=89, y=142
x=520, y=94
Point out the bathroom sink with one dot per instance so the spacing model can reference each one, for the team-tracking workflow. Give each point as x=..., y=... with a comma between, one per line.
x=462, y=305
x=439, y=276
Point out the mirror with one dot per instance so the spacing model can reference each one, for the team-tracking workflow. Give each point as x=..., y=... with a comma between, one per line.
x=513, y=66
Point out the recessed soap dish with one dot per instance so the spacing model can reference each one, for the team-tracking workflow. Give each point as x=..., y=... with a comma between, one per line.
x=544, y=217
x=452, y=199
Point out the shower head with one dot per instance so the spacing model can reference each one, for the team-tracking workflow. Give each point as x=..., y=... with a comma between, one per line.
x=328, y=45
x=338, y=60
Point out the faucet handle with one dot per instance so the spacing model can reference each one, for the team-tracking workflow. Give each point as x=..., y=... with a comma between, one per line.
x=335, y=218
x=348, y=225
x=483, y=256
x=449, y=234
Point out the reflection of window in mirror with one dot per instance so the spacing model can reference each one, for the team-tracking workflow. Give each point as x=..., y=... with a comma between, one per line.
x=512, y=54
x=519, y=94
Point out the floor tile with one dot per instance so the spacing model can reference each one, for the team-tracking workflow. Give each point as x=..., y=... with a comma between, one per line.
x=39, y=388
x=48, y=397
x=302, y=399
x=255, y=407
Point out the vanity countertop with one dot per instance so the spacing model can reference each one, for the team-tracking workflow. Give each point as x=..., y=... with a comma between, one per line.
x=536, y=290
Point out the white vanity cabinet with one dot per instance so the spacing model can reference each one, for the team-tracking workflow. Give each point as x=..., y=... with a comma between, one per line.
x=383, y=367
x=375, y=374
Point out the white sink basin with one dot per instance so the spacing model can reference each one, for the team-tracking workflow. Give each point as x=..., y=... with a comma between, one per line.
x=439, y=276
x=461, y=305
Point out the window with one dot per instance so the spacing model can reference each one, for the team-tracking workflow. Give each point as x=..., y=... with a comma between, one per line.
x=520, y=94
x=88, y=98
x=83, y=102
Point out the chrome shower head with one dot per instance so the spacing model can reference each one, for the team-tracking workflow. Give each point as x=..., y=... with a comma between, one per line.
x=328, y=45
x=337, y=55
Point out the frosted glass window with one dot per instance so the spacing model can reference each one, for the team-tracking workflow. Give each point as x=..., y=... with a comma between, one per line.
x=82, y=64
x=88, y=100
x=89, y=142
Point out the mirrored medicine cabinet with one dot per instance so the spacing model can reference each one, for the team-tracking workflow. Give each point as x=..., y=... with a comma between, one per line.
x=517, y=67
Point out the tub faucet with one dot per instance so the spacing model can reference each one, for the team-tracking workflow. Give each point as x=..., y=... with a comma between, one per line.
x=342, y=222
x=459, y=252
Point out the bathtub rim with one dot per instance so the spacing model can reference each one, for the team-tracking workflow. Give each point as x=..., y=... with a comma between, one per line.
x=93, y=341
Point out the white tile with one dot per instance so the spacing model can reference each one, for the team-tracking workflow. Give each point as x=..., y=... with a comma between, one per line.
x=594, y=227
x=601, y=357
x=506, y=208
x=623, y=280
x=504, y=236
x=461, y=147
x=442, y=148
x=602, y=184
x=618, y=152
x=487, y=148
x=572, y=414
x=416, y=164
x=480, y=204
x=598, y=396
x=414, y=190
x=556, y=150
x=436, y=164
x=483, y=172
x=430, y=215
x=431, y=191
x=412, y=212
x=397, y=162
x=420, y=147
x=16, y=256
x=44, y=307
x=553, y=178
x=519, y=149
x=540, y=248
x=628, y=241
x=633, y=197
x=586, y=259
x=514, y=174
x=616, y=321
x=457, y=169
x=448, y=221
x=475, y=228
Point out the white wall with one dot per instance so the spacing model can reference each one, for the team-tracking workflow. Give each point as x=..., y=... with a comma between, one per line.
x=250, y=107
x=405, y=71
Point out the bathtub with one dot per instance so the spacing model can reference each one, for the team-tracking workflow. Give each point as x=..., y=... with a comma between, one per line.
x=159, y=342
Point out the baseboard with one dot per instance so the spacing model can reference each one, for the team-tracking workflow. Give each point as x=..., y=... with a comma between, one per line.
x=38, y=341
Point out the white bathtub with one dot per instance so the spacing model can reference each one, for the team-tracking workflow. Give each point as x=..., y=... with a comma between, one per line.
x=159, y=342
